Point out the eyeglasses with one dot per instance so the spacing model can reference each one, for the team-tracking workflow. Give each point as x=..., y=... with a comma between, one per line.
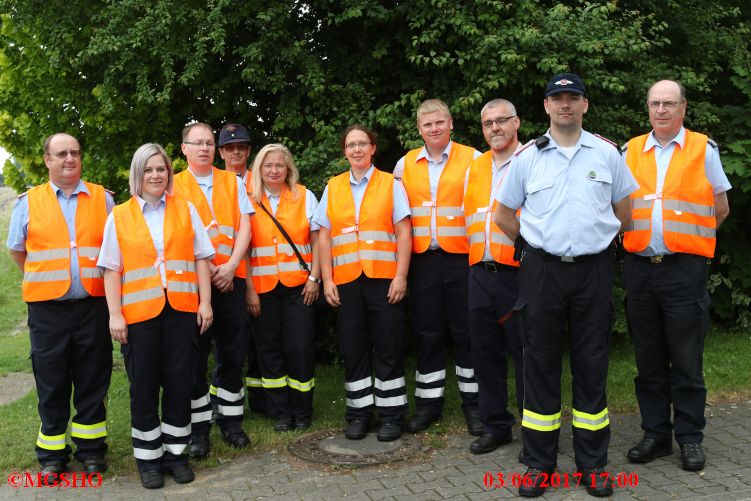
x=352, y=146
x=668, y=105
x=62, y=155
x=208, y=144
x=500, y=122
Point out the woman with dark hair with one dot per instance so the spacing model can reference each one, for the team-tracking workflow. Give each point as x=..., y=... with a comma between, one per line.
x=365, y=243
x=286, y=282
x=156, y=278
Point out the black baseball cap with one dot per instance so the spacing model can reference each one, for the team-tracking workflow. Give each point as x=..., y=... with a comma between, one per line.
x=565, y=82
x=233, y=133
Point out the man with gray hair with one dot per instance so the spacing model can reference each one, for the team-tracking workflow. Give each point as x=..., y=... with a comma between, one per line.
x=55, y=237
x=433, y=177
x=680, y=203
x=494, y=330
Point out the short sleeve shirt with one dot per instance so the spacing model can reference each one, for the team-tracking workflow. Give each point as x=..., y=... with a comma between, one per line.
x=567, y=202
x=399, y=212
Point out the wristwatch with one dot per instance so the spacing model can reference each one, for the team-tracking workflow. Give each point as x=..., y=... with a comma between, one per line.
x=314, y=279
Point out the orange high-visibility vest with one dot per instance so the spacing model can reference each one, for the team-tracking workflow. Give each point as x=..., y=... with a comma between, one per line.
x=272, y=258
x=142, y=292
x=478, y=208
x=224, y=224
x=47, y=267
x=450, y=229
x=688, y=210
x=368, y=246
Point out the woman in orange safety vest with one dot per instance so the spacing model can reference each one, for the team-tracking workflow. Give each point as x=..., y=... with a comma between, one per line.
x=286, y=282
x=365, y=243
x=156, y=278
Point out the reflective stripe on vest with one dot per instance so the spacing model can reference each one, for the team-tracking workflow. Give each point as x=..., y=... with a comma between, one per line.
x=478, y=208
x=688, y=211
x=450, y=224
x=272, y=259
x=48, y=246
x=222, y=218
x=142, y=291
x=368, y=246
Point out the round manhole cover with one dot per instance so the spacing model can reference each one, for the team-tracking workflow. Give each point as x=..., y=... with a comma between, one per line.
x=331, y=447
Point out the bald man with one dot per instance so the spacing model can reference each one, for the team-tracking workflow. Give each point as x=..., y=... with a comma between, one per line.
x=680, y=204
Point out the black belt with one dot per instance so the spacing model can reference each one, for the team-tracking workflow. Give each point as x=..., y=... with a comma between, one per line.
x=666, y=258
x=563, y=259
x=493, y=267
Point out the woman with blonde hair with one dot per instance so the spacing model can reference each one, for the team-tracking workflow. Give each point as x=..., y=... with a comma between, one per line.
x=286, y=281
x=156, y=278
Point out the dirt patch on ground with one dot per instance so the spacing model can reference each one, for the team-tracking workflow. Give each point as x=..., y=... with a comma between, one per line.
x=15, y=385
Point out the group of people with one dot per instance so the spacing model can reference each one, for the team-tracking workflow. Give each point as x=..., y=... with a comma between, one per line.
x=502, y=252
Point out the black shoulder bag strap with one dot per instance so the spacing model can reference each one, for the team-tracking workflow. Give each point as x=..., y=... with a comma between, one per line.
x=303, y=264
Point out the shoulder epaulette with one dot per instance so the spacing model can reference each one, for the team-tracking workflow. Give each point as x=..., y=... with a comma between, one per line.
x=712, y=143
x=530, y=143
x=607, y=141
x=21, y=195
x=624, y=147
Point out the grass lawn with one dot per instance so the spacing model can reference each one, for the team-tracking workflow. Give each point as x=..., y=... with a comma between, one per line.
x=727, y=369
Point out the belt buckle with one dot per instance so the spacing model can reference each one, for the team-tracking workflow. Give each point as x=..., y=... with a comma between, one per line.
x=567, y=259
x=491, y=267
x=655, y=259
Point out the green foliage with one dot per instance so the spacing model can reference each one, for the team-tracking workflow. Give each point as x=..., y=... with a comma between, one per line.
x=124, y=72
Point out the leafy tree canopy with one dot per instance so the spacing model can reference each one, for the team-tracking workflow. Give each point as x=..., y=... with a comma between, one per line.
x=120, y=73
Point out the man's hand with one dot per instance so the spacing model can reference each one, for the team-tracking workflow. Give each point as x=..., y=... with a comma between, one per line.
x=331, y=293
x=222, y=276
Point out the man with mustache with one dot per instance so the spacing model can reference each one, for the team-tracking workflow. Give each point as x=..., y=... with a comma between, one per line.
x=494, y=329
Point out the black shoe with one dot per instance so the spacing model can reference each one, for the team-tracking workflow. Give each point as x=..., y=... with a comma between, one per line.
x=389, y=432
x=182, y=472
x=421, y=421
x=54, y=467
x=692, y=456
x=648, y=450
x=474, y=423
x=531, y=485
x=488, y=443
x=199, y=446
x=283, y=424
x=152, y=479
x=598, y=482
x=302, y=424
x=356, y=429
x=236, y=437
x=94, y=465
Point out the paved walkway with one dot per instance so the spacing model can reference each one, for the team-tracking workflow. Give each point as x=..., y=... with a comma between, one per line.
x=453, y=473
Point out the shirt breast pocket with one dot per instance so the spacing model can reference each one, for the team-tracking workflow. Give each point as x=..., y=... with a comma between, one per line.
x=599, y=188
x=540, y=196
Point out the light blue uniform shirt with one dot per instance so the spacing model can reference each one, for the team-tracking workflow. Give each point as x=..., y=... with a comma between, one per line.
x=435, y=169
x=311, y=205
x=712, y=168
x=399, y=212
x=207, y=187
x=567, y=203
x=111, y=257
x=19, y=225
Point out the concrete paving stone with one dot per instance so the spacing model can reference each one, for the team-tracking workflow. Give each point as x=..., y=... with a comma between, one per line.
x=383, y=494
x=431, y=475
x=422, y=486
x=423, y=496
